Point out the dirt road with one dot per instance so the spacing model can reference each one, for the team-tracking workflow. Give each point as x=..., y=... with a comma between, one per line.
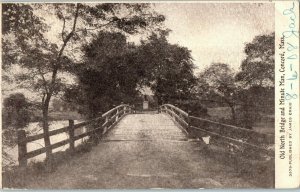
x=143, y=151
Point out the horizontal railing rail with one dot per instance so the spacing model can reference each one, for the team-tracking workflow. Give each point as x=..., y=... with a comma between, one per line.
x=177, y=114
x=99, y=126
x=236, y=138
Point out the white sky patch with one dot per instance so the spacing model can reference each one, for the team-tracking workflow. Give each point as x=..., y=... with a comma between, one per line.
x=217, y=32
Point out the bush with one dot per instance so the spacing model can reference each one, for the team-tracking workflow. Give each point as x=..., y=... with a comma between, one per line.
x=15, y=111
x=193, y=107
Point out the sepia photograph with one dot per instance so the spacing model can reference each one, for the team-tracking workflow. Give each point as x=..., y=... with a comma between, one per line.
x=138, y=95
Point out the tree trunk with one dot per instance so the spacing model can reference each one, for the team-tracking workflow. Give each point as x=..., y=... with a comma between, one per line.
x=46, y=126
x=233, y=115
x=247, y=118
x=46, y=101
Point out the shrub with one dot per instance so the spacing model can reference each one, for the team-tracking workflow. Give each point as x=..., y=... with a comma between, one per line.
x=15, y=111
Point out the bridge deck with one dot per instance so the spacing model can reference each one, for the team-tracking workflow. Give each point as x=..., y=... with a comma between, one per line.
x=143, y=151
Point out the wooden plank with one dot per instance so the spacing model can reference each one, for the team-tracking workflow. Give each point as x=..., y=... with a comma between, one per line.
x=179, y=118
x=105, y=123
x=22, y=148
x=82, y=124
x=58, y=144
x=34, y=137
x=41, y=135
x=60, y=130
x=66, y=129
x=119, y=113
x=71, y=134
x=177, y=109
x=111, y=119
x=268, y=138
x=114, y=123
x=112, y=110
x=43, y=150
x=87, y=133
x=225, y=125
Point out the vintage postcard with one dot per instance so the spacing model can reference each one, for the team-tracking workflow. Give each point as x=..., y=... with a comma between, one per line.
x=150, y=94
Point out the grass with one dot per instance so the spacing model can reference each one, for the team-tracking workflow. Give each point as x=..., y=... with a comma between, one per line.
x=251, y=165
x=259, y=172
x=17, y=177
x=219, y=112
x=262, y=125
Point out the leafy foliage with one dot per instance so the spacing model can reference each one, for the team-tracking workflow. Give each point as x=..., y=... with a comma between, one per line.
x=219, y=79
x=217, y=84
x=25, y=29
x=167, y=68
x=248, y=93
x=115, y=71
x=15, y=111
x=43, y=58
x=258, y=67
x=255, y=103
x=107, y=77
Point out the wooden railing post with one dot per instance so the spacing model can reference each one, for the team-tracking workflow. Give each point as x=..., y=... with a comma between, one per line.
x=117, y=115
x=106, y=126
x=189, y=122
x=22, y=148
x=71, y=134
x=99, y=124
x=172, y=113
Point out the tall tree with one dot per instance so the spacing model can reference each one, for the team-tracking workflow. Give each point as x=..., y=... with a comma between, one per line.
x=258, y=67
x=257, y=77
x=15, y=111
x=167, y=68
x=108, y=76
x=217, y=83
x=25, y=42
x=115, y=71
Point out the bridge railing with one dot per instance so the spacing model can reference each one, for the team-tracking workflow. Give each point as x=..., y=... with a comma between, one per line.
x=99, y=126
x=177, y=114
x=236, y=139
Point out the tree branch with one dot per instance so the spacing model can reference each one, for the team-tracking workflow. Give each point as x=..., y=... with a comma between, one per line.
x=63, y=29
x=43, y=98
x=44, y=80
x=98, y=27
x=67, y=39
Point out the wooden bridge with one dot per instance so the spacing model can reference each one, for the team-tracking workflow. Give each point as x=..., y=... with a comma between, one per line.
x=167, y=148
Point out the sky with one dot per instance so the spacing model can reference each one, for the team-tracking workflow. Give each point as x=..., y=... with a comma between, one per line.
x=217, y=32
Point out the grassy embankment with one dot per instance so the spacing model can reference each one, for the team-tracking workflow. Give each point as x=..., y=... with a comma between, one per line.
x=264, y=125
x=17, y=177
